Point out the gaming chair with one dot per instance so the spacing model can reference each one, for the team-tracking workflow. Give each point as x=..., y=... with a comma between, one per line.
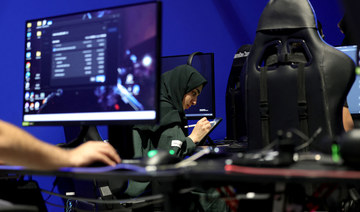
x=295, y=80
x=235, y=104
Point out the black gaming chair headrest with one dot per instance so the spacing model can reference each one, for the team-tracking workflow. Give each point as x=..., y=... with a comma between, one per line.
x=299, y=14
x=287, y=39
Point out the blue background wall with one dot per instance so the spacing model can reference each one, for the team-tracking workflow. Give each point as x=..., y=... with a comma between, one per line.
x=219, y=26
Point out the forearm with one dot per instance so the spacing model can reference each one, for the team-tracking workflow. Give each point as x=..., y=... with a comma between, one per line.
x=190, y=146
x=18, y=147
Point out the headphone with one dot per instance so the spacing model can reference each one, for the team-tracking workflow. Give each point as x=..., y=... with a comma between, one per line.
x=190, y=58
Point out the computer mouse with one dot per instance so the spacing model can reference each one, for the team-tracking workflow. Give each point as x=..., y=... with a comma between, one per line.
x=160, y=157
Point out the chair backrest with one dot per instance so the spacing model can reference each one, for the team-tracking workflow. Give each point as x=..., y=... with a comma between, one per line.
x=234, y=96
x=294, y=79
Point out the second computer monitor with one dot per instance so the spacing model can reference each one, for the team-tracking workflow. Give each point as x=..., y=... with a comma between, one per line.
x=204, y=63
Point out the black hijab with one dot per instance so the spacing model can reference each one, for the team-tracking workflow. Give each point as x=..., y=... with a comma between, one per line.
x=174, y=85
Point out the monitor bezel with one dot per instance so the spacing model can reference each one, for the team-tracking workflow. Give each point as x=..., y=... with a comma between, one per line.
x=212, y=55
x=155, y=120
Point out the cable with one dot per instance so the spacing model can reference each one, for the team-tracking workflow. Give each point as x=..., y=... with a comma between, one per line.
x=270, y=146
x=53, y=204
x=52, y=189
x=68, y=207
x=309, y=141
x=119, y=201
x=299, y=133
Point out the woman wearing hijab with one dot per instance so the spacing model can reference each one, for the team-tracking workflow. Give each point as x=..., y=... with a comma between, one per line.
x=179, y=90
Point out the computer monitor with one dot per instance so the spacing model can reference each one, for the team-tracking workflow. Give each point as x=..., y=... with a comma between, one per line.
x=98, y=67
x=93, y=67
x=353, y=98
x=204, y=63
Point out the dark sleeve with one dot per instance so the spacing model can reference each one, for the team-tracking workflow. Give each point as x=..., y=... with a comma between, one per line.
x=175, y=139
x=346, y=104
x=142, y=143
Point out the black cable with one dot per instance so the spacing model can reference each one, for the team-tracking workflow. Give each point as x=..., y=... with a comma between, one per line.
x=270, y=145
x=280, y=135
x=309, y=141
x=119, y=201
x=52, y=189
x=53, y=204
x=299, y=134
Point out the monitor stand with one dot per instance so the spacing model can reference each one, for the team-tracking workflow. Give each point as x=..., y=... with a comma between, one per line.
x=121, y=138
x=76, y=135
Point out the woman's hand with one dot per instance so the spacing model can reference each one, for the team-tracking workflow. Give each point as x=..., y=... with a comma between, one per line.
x=201, y=128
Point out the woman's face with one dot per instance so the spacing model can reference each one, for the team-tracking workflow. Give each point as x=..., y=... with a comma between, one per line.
x=191, y=97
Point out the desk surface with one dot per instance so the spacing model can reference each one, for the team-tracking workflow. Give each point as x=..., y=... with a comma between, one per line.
x=205, y=170
x=305, y=171
x=120, y=171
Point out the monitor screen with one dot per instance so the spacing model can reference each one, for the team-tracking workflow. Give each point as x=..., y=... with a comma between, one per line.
x=353, y=98
x=93, y=67
x=204, y=63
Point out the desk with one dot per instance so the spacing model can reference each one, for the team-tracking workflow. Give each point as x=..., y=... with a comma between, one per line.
x=284, y=180
x=208, y=173
x=304, y=171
